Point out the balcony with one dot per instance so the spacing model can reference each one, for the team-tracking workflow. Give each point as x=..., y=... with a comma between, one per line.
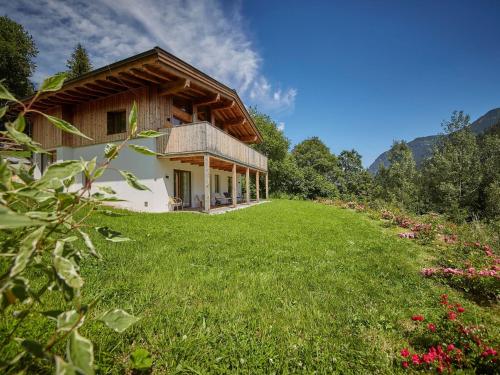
x=203, y=137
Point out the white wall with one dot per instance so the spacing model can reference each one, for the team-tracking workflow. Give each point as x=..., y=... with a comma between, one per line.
x=157, y=174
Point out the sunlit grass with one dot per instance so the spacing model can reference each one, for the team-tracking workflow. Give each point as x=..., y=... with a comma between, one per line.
x=287, y=286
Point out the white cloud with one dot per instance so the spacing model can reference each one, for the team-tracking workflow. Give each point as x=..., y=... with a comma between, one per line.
x=202, y=33
x=281, y=126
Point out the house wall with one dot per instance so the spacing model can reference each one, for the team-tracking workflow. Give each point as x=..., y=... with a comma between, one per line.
x=157, y=174
x=91, y=118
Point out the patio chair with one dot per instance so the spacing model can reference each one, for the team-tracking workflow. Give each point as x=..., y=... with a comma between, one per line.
x=220, y=199
x=174, y=203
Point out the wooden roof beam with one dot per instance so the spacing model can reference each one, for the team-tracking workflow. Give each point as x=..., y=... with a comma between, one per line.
x=103, y=84
x=235, y=122
x=123, y=82
x=207, y=100
x=222, y=106
x=100, y=90
x=155, y=72
x=174, y=86
x=77, y=93
x=144, y=75
x=249, y=138
x=130, y=77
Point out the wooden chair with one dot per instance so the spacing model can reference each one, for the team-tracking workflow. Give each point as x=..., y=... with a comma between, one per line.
x=174, y=203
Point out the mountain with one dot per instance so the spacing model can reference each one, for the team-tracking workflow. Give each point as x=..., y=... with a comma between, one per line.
x=422, y=146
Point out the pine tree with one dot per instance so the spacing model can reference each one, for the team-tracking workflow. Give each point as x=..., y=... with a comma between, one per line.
x=79, y=62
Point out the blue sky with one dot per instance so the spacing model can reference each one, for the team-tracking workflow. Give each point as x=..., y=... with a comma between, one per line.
x=358, y=74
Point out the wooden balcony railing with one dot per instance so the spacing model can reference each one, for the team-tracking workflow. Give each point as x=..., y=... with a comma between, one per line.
x=206, y=138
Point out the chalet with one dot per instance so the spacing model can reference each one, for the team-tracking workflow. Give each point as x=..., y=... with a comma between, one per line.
x=208, y=132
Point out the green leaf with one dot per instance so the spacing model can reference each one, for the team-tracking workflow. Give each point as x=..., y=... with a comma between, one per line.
x=62, y=171
x=80, y=353
x=141, y=359
x=5, y=94
x=150, y=134
x=89, y=244
x=53, y=83
x=143, y=150
x=132, y=119
x=132, y=181
x=118, y=320
x=26, y=249
x=20, y=123
x=69, y=320
x=98, y=173
x=106, y=189
x=111, y=151
x=3, y=111
x=9, y=219
x=23, y=139
x=64, y=126
x=67, y=271
x=63, y=367
x=33, y=348
x=111, y=235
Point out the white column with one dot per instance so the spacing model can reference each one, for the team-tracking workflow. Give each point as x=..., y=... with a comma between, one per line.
x=247, y=182
x=206, y=181
x=257, y=185
x=234, y=195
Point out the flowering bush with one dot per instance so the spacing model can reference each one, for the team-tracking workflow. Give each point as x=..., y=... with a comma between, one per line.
x=472, y=267
x=449, y=344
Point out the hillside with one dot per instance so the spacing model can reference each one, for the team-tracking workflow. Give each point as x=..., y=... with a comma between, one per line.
x=422, y=146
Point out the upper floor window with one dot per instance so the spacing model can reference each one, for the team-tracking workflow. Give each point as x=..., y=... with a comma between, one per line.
x=47, y=159
x=117, y=122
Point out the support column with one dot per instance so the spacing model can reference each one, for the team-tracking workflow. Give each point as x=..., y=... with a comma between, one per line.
x=257, y=185
x=234, y=196
x=247, y=182
x=267, y=186
x=206, y=181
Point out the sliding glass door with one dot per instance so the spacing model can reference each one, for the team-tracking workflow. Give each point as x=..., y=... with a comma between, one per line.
x=182, y=186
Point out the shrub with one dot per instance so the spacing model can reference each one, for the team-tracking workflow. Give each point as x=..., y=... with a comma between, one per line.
x=449, y=344
x=44, y=239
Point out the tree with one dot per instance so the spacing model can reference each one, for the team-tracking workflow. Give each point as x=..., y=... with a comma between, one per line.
x=355, y=180
x=398, y=181
x=314, y=153
x=79, y=62
x=452, y=176
x=275, y=145
x=17, y=54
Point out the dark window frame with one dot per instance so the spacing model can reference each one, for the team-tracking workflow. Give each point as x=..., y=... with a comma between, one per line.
x=114, y=125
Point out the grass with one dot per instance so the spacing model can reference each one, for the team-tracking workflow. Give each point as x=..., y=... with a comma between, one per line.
x=283, y=287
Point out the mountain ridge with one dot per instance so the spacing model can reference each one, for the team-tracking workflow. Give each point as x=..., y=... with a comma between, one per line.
x=421, y=147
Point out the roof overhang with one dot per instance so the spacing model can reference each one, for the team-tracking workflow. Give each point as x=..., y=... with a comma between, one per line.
x=172, y=76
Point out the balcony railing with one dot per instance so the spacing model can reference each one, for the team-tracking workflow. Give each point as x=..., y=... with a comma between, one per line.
x=204, y=137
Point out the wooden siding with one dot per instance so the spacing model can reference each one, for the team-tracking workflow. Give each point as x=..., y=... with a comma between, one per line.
x=204, y=137
x=91, y=117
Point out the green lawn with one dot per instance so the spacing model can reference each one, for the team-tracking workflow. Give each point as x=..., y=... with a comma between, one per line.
x=283, y=287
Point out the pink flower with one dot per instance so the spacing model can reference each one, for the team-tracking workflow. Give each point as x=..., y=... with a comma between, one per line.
x=460, y=309
x=450, y=347
x=452, y=315
x=417, y=318
x=405, y=364
x=431, y=327
x=415, y=359
x=405, y=352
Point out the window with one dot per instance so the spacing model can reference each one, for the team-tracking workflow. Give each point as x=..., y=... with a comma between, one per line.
x=46, y=160
x=217, y=184
x=116, y=122
x=230, y=185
